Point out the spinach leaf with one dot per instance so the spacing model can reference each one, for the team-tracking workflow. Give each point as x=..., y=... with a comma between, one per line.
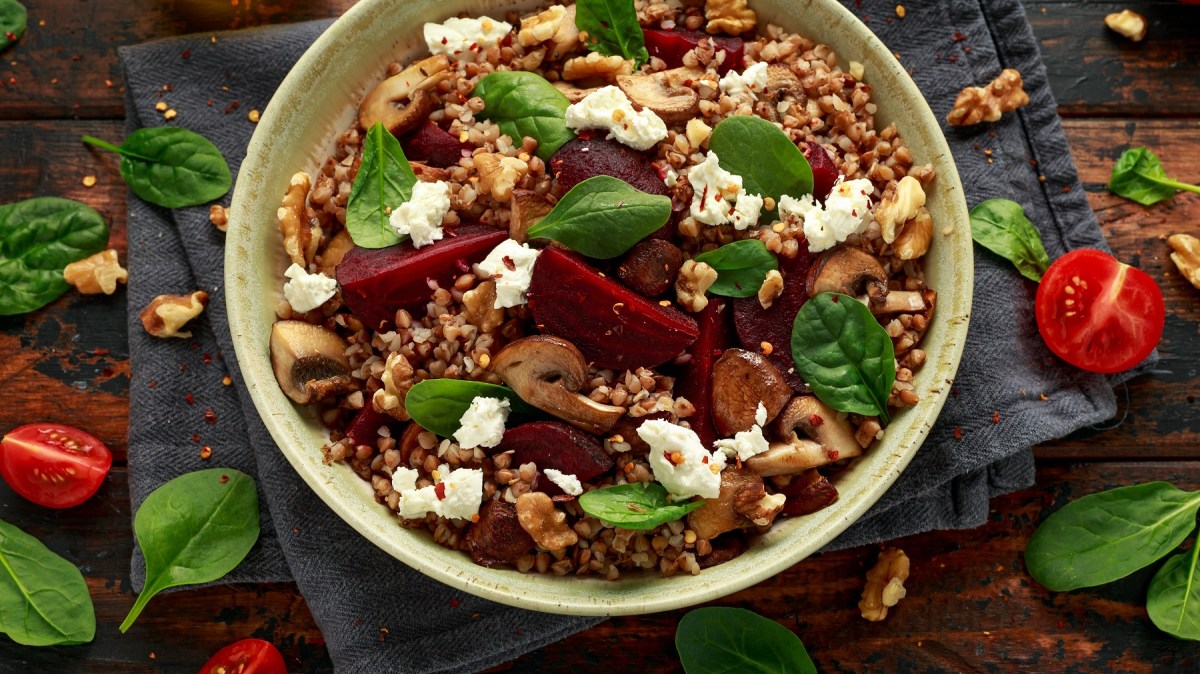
x=171, y=167
x=612, y=28
x=718, y=640
x=1173, y=600
x=13, y=20
x=638, y=505
x=525, y=104
x=385, y=181
x=768, y=161
x=1109, y=535
x=38, y=238
x=44, y=600
x=741, y=267
x=1138, y=175
x=603, y=217
x=1000, y=226
x=438, y=404
x=194, y=529
x=843, y=353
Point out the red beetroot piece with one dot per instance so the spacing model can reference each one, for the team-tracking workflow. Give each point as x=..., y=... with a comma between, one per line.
x=551, y=444
x=695, y=379
x=671, y=45
x=756, y=325
x=364, y=428
x=613, y=326
x=825, y=174
x=584, y=158
x=432, y=145
x=377, y=282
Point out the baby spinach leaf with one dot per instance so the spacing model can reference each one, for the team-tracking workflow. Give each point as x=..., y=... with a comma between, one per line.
x=525, y=104
x=385, y=181
x=718, y=639
x=194, y=529
x=13, y=20
x=1173, y=600
x=38, y=238
x=1000, y=226
x=768, y=161
x=1138, y=175
x=1106, y=536
x=741, y=267
x=843, y=353
x=603, y=217
x=612, y=28
x=638, y=505
x=171, y=167
x=44, y=600
x=438, y=404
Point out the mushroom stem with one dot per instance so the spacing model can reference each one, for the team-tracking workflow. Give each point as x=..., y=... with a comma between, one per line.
x=850, y=271
x=402, y=101
x=898, y=302
x=826, y=439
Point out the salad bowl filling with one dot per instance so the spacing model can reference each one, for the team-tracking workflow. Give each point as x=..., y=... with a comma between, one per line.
x=607, y=286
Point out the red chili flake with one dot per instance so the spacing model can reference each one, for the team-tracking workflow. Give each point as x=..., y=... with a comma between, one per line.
x=958, y=37
x=717, y=352
x=508, y=263
x=966, y=50
x=445, y=41
x=834, y=298
x=454, y=603
x=10, y=36
x=187, y=53
x=209, y=415
x=954, y=391
x=439, y=490
x=703, y=197
x=833, y=455
x=1066, y=188
x=953, y=58
x=207, y=358
x=100, y=352
x=704, y=459
x=816, y=420
x=195, y=346
x=996, y=417
x=190, y=400
x=183, y=367
x=461, y=264
x=231, y=107
x=195, y=437
x=958, y=434
x=224, y=479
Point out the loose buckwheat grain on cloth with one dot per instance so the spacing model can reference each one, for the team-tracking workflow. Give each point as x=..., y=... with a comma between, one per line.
x=352, y=588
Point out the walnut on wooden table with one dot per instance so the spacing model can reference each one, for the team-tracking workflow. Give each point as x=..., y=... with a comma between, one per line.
x=885, y=584
x=95, y=274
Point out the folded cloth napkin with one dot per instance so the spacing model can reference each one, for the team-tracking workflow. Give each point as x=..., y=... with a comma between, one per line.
x=180, y=401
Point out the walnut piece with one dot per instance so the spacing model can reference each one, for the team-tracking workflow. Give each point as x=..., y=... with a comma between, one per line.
x=771, y=288
x=986, y=104
x=596, y=64
x=914, y=237
x=885, y=584
x=480, y=304
x=96, y=274
x=218, y=215
x=166, y=314
x=555, y=28
x=300, y=239
x=695, y=278
x=1128, y=23
x=397, y=380
x=754, y=503
x=543, y=522
x=334, y=251
x=899, y=207
x=499, y=174
x=1186, y=256
x=732, y=17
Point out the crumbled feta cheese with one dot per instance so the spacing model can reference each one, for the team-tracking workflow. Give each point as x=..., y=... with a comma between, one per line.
x=510, y=265
x=565, y=481
x=680, y=462
x=847, y=211
x=482, y=425
x=461, y=493
x=746, y=210
x=456, y=37
x=306, y=291
x=752, y=80
x=404, y=479
x=420, y=218
x=760, y=415
x=608, y=108
x=718, y=196
x=671, y=177
x=745, y=444
x=419, y=334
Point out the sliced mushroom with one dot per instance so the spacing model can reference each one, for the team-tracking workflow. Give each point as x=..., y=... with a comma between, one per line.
x=720, y=514
x=527, y=207
x=547, y=372
x=573, y=93
x=403, y=101
x=741, y=380
x=850, y=271
x=807, y=493
x=782, y=86
x=827, y=439
x=651, y=266
x=497, y=537
x=309, y=361
x=664, y=93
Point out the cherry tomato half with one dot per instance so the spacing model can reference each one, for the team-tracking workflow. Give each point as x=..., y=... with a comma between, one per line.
x=248, y=656
x=1099, y=314
x=53, y=465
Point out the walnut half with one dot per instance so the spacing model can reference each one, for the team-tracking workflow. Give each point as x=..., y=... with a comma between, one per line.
x=397, y=380
x=695, y=278
x=166, y=315
x=543, y=522
x=1186, y=256
x=1128, y=23
x=96, y=274
x=885, y=584
x=732, y=17
x=300, y=238
x=986, y=104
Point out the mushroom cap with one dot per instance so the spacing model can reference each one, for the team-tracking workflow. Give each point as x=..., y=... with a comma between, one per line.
x=741, y=380
x=719, y=514
x=826, y=439
x=309, y=361
x=664, y=93
x=402, y=101
x=850, y=271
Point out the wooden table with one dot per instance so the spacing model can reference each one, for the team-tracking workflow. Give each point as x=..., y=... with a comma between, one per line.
x=971, y=607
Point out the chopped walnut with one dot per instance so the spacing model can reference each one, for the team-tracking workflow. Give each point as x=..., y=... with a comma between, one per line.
x=732, y=17
x=540, y=27
x=697, y=132
x=596, y=64
x=1186, y=256
x=543, y=522
x=334, y=251
x=480, y=305
x=695, y=278
x=96, y=274
x=899, y=207
x=771, y=288
x=885, y=584
x=166, y=314
x=499, y=174
x=914, y=237
x=1128, y=23
x=754, y=503
x=218, y=215
x=397, y=380
x=986, y=104
x=300, y=238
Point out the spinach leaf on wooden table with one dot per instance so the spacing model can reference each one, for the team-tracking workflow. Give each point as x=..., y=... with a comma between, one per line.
x=171, y=167
x=437, y=405
x=1000, y=226
x=525, y=104
x=638, y=505
x=741, y=267
x=38, y=239
x=384, y=181
x=44, y=600
x=603, y=217
x=720, y=640
x=768, y=162
x=13, y=21
x=1173, y=600
x=612, y=28
x=1138, y=175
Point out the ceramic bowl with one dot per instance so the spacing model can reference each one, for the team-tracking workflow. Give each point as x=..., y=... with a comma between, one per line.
x=298, y=130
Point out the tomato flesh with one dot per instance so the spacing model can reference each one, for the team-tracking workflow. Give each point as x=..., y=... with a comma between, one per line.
x=53, y=465
x=1099, y=314
x=248, y=656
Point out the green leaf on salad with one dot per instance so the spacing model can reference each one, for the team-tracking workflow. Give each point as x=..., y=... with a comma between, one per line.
x=741, y=267
x=1138, y=175
x=13, y=21
x=438, y=404
x=603, y=217
x=768, y=161
x=525, y=104
x=38, y=239
x=44, y=600
x=1173, y=600
x=171, y=167
x=638, y=505
x=385, y=181
x=719, y=640
x=1000, y=226
x=843, y=353
x=612, y=28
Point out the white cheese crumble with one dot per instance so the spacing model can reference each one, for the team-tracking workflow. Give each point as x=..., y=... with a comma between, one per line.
x=697, y=473
x=420, y=218
x=752, y=80
x=719, y=198
x=306, y=291
x=510, y=265
x=608, y=108
x=565, y=481
x=461, y=493
x=671, y=177
x=746, y=444
x=847, y=211
x=456, y=37
x=482, y=425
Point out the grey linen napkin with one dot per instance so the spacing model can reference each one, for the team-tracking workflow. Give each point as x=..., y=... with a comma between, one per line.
x=352, y=588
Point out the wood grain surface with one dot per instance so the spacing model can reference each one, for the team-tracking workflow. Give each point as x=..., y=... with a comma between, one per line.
x=970, y=607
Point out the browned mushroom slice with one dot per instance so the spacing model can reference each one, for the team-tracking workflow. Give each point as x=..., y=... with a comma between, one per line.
x=497, y=538
x=651, y=266
x=807, y=493
x=403, y=101
x=826, y=439
x=850, y=271
x=573, y=93
x=309, y=361
x=741, y=380
x=664, y=93
x=724, y=549
x=547, y=372
x=782, y=86
x=527, y=208
x=721, y=514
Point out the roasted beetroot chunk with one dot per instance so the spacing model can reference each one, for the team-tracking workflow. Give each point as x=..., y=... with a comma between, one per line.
x=584, y=158
x=377, y=282
x=671, y=45
x=434, y=146
x=756, y=325
x=610, y=324
x=695, y=378
x=364, y=428
x=825, y=174
x=497, y=538
x=551, y=444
